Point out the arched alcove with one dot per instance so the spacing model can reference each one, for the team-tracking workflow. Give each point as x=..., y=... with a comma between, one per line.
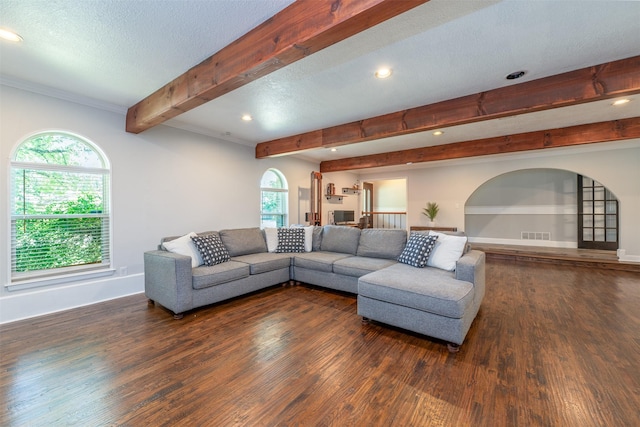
x=543, y=207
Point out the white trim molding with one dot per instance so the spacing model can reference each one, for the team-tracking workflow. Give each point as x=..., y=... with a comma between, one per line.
x=25, y=305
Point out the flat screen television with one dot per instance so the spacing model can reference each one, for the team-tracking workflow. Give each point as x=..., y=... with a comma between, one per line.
x=340, y=217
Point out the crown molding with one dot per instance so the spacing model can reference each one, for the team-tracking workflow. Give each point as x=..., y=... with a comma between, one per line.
x=61, y=94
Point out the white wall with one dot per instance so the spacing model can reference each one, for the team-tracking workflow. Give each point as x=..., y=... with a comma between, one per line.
x=164, y=182
x=451, y=183
x=390, y=195
x=349, y=202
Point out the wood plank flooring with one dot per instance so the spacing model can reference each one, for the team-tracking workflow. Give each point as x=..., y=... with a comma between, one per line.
x=551, y=346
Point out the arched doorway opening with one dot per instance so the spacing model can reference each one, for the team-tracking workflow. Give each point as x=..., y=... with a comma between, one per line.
x=543, y=207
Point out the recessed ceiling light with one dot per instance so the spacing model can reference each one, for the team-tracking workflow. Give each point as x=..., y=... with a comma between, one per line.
x=621, y=101
x=247, y=118
x=10, y=36
x=383, y=73
x=438, y=133
x=515, y=75
x=334, y=149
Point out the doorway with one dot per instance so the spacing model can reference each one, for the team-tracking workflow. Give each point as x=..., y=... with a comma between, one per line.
x=384, y=203
x=597, y=216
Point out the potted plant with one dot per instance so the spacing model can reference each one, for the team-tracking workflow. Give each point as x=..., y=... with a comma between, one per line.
x=431, y=211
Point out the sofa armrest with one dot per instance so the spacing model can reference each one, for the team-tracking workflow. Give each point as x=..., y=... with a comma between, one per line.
x=167, y=280
x=471, y=268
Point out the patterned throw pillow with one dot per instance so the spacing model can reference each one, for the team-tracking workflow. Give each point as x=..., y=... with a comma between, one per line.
x=417, y=250
x=290, y=240
x=211, y=249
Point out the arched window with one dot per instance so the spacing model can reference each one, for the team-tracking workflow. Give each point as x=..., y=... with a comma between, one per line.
x=274, y=195
x=60, y=208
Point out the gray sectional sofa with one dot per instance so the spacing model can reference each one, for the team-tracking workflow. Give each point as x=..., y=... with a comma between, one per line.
x=429, y=301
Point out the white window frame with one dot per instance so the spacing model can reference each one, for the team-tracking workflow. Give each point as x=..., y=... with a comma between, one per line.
x=26, y=280
x=285, y=189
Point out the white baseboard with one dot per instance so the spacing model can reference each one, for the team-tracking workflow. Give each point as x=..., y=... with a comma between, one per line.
x=622, y=256
x=521, y=242
x=54, y=299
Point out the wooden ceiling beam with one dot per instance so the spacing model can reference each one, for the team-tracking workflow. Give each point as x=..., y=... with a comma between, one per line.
x=608, y=80
x=615, y=130
x=301, y=29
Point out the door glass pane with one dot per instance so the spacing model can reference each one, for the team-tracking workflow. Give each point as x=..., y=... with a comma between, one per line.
x=598, y=235
x=611, y=235
x=610, y=195
x=587, y=194
x=587, y=234
x=587, y=207
x=598, y=207
x=587, y=221
x=611, y=221
x=599, y=221
x=587, y=182
x=611, y=207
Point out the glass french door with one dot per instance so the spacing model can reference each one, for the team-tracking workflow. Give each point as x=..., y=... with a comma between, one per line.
x=597, y=216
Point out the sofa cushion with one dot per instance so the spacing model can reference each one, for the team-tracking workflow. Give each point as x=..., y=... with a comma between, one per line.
x=211, y=249
x=205, y=276
x=336, y=238
x=447, y=251
x=317, y=238
x=290, y=240
x=184, y=246
x=242, y=241
x=382, y=243
x=428, y=289
x=265, y=261
x=416, y=252
x=357, y=266
x=320, y=261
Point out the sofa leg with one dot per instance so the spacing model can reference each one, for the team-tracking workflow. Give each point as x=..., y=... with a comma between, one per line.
x=365, y=320
x=453, y=348
x=151, y=302
x=178, y=316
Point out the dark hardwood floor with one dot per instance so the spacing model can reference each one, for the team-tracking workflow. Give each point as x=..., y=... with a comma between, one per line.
x=552, y=345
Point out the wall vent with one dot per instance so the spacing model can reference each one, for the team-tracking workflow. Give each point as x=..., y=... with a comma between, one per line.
x=535, y=235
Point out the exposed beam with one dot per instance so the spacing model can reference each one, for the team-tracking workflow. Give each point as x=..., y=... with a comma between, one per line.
x=615, y=130
x=301, y=29
x=612, y=79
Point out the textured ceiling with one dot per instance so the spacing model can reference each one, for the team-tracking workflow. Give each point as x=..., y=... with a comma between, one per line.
x=118, y=52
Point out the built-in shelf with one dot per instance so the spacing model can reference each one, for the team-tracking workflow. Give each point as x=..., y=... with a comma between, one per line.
x=346, y=190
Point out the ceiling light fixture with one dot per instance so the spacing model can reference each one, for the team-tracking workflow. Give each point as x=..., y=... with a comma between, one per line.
x=9, y=36
x=438, y=133
x=334, y=150
x=383, y=73
x=515, y=75
x=247, y=118
x=621, y=102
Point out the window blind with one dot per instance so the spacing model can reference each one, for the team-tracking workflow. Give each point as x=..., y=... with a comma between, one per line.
x=60, y=219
